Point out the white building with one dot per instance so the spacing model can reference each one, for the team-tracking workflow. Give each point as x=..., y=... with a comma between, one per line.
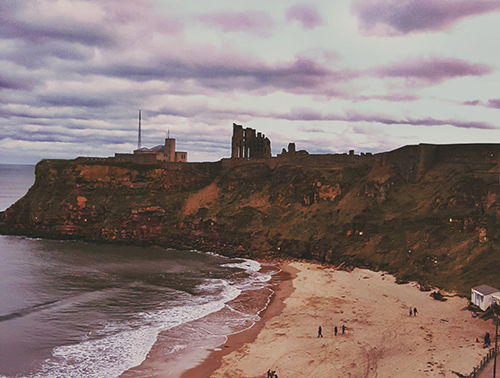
x=484, y=296
x=167, y=152
x=145, y=155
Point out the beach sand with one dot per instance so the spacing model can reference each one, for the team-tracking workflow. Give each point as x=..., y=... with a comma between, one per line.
x=381, y=339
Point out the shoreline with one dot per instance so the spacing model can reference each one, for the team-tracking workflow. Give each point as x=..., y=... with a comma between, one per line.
x=283, y=288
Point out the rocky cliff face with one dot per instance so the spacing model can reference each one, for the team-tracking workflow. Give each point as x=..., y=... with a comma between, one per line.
x=440, y=227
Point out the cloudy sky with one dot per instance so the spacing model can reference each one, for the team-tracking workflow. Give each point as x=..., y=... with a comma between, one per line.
x=329, y=75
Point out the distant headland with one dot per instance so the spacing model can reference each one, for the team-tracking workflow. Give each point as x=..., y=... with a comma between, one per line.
x=429, y=213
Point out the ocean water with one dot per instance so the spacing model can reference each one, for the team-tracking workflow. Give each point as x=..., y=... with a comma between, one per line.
x=15, y=180
x=73, y=309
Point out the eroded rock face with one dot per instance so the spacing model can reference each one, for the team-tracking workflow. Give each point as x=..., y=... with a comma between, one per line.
x=443, y=229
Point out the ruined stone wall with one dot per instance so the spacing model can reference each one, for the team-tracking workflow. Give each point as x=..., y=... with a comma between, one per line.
x=246, y=143
x=338, y=161
x=137, y=158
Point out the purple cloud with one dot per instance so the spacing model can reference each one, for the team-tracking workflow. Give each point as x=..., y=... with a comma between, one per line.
x=76, y=100
x=17, y=23
x=91, y=23
x=45, y=54
x=473, y=103
x=303, y=114
x=392, y=97
x=17, y=82
x=252, y=22
x=216, y=72
x=393, y=17
x=432, y=70
x=493, y=103
x=306, y=14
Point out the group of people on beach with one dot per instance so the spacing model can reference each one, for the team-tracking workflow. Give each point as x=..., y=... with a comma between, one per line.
x=271, y=374
x=335, y=330
x=413, y=311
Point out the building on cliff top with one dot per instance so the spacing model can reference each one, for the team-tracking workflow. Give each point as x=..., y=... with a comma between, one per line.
x=292, y=151
x=248, y=144
x=165, y=153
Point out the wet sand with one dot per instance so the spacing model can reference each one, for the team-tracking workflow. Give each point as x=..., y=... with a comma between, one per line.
x=381, y=339
x=283, y=288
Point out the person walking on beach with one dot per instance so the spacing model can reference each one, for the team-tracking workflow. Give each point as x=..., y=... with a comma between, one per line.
x=487, y=340
x=410, y=311
x=343, y=329
x=336, y=330
x=319, y=332
x=415, y=311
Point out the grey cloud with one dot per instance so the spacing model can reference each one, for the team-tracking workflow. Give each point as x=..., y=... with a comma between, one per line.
x=257, y=23
x=392, y=97
x=307, y=14
x=305, y=74
x=492, y=103
x=66, y=134
x=432, y=70
x=76, y=100
x=41, y=55
x=495, y=103
x=15, y=25
x=473, y=103
x=68, y=50
x=17, y=82
x=41, y=33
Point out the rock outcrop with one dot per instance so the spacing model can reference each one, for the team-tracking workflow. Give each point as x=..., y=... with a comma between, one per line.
x=423, y=215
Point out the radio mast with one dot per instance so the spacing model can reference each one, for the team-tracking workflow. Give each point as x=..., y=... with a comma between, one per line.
x=139, y=142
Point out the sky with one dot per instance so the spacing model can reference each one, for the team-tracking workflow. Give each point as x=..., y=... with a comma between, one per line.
x=329, y=75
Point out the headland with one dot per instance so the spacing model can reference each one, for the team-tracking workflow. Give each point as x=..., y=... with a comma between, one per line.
x=428, y=213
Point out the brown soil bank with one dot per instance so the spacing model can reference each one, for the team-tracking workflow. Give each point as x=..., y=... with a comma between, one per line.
x=426, y=213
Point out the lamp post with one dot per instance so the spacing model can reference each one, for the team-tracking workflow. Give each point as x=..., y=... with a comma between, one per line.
x=495, y=311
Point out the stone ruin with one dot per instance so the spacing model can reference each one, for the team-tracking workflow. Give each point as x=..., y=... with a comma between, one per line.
x=246, y=143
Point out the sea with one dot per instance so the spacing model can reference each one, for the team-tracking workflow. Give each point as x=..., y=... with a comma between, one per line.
x=74, y=309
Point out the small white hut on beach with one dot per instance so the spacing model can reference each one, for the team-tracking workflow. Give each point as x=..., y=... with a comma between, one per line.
x=484, y=296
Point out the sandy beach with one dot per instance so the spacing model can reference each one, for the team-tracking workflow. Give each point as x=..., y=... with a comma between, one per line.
x=381, y=339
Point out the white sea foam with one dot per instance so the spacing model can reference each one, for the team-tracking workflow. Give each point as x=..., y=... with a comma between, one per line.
x=215, y=254
x=247, y=265
x=256, y=280
x=218, y=289
x=112, y=355
x=107, y=357
x=177, y=348
x=118, y=347
x=173, y=317
x=244, y=316
x=211, y=286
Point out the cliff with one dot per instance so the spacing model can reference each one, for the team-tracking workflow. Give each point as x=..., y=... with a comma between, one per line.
x=425, y=213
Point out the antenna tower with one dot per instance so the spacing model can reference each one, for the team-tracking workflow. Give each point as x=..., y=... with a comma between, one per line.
x=139, y=142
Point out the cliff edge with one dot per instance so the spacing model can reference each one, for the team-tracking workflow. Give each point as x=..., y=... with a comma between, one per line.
x=427, y=213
